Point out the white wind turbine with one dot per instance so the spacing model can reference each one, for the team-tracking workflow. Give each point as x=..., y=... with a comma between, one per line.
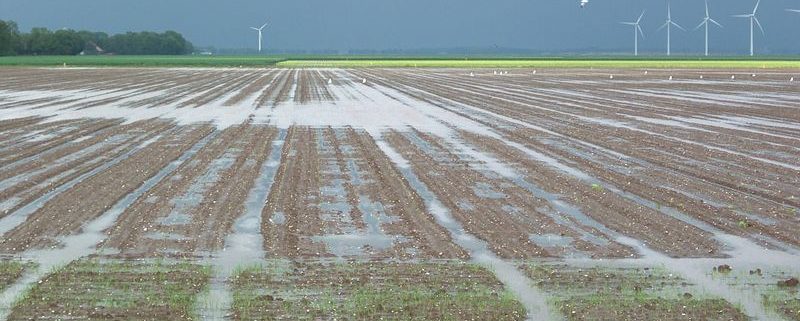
x=259, y=34
x=753, y=19
x=669, y=24
x=705, y=22
x=637, y=30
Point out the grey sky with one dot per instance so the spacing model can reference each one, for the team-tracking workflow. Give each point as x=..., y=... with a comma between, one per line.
x=539, y=25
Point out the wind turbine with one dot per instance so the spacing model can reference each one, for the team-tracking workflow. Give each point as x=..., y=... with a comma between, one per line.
x=705, y=22
x=793, y=10
x=669, y=24
x=637, y=30
x=753, y=19
x=259, y=34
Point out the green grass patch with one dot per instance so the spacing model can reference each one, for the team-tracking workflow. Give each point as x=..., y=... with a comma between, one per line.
x=372, y=291
x=542, y=63
x=141, y=61
x=10, y=271
x=626, y=293
x=122, y=290
x=647, y=307
x=785, y=302
x=340, y=61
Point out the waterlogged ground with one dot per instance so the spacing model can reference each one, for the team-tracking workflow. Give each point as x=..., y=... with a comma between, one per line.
x=410, y=194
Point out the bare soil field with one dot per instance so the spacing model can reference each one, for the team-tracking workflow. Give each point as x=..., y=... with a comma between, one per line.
x=255, y=194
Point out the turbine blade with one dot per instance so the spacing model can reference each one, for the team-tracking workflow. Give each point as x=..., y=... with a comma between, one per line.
x=759, y=24
x=706, y=8
x=640, y=31
x=701, y=24
x=677, y=25
x=640, y=17
x=669, y=12
x=793, y=10
x=254, y=28
x=716, y=23
x=264, y=25
x=628, y=23
x=756, y=8
x=742, y=16
x=662, y=26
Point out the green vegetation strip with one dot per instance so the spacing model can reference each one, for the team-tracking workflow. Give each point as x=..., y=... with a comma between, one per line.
x=10, y=271
x=371, y=291
x=626, y=294
x=544, y=63
x=124, y=290
x=397, y=62
x=140, y=61
x=785, y=302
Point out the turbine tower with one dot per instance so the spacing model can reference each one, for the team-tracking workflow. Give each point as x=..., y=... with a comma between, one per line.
x=259, y=34
x=753, y=20
x=705, y=22
x=637, y=30
x=669, y=24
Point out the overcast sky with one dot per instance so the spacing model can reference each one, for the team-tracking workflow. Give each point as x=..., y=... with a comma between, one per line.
x=539, y=25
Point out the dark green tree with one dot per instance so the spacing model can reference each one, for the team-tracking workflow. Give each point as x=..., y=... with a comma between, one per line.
x=9, y=37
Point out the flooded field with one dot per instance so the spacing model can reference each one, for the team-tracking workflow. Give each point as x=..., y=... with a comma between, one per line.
x=411, y=194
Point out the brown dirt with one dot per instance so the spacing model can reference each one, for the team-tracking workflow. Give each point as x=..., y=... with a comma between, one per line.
x=90, y=198
x=208, y=222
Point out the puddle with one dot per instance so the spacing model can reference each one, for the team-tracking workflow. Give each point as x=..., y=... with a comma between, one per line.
x=355, y=245
x=347, y=240
x=19, y=216
x=246, y=244
x=514, y=280
x=183, y=204
x=551, y=240
x=485, y=190
x=744, y=255
x=80, y=245
x=278, y=218
x=165, y=236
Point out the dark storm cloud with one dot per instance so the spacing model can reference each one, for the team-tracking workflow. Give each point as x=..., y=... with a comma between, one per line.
x=540, y=25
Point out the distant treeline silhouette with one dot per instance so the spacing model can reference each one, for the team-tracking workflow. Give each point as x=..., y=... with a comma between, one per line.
x=41, y=41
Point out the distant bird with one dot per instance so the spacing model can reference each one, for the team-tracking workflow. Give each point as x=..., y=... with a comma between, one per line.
x=534, y=71
x=363, y=80
x=733, y=77
x=330, y=81
x=645, y=72
x=670, y=77
x=472, y=74
x=584, y=3
x=701, y=76
x=610, y=76
x=791, y=79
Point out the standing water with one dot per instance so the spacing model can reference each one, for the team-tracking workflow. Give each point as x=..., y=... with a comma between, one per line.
x=245, y=245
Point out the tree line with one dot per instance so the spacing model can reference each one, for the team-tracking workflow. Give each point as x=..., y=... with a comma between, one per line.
x=42, y=41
